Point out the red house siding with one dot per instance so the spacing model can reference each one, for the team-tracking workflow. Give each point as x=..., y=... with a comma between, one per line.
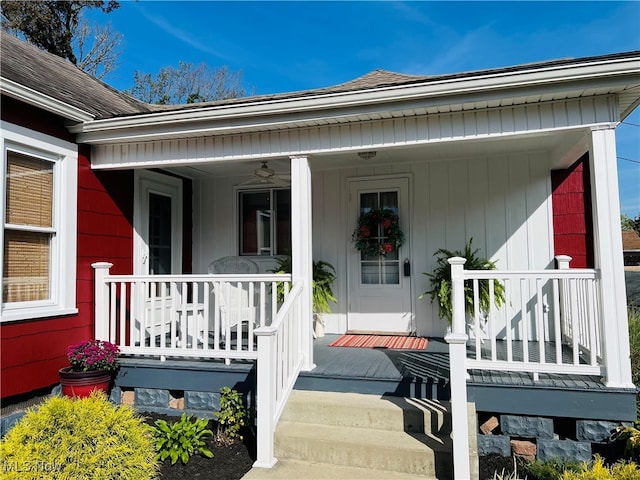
x=31, y=352
x=572, y=216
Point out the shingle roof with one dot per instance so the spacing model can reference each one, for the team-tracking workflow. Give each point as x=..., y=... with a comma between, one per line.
x=630, y=241
x=56, y=77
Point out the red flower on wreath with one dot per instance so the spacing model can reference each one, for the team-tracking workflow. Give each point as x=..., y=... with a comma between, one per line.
x=378, y=232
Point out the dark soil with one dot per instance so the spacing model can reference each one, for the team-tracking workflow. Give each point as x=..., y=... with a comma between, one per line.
x=229, y=462
x=493, y=463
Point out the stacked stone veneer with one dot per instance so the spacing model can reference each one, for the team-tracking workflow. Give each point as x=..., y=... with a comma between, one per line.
x=535, y=437
x=200, y=404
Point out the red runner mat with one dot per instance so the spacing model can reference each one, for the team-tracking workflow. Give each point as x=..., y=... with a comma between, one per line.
x=381, y=341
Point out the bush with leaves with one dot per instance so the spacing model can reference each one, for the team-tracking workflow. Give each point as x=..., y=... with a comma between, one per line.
x=231, y=417
x=82, y=439
x=324, y=274
x=634, y=347
x=597, y=470
x=440, y=291
x=552, y=469
x=181, y=439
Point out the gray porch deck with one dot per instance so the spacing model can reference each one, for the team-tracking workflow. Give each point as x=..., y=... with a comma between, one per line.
x=425, y=374
x=408, y=373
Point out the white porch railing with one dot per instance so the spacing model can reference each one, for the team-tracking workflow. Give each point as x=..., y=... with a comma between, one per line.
x=205, y=316
x=211, y=316
x=280, y=359
x=550, y=322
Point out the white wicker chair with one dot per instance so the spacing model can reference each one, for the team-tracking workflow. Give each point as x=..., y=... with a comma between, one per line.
x=232, y=299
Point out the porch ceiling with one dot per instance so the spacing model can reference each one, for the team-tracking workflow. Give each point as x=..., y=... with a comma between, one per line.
x=549, y=142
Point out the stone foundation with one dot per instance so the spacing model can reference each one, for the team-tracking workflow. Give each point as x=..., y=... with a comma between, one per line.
x=543, y=438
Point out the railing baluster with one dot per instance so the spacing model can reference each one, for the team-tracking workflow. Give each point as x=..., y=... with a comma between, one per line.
x=509, y=334
x=163, y=314
x=557, y=320
x=476, y=318
x=206, y=289
x=195, y=302
x=492, y=325
x=540, y=321
x=575, y=329
x=123, y=313
x=524, y=321
x=112, y=311
x=252, y=312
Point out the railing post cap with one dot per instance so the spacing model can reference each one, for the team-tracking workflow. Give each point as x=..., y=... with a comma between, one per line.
x=563, y=258
x=457, y=261
x=98, y=265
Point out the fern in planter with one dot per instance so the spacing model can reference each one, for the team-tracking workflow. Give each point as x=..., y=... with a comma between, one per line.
x=441, y=282
x=323, y=277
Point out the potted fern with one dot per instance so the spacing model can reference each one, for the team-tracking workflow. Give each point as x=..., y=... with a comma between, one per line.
x=322, y=292
x=440, y=279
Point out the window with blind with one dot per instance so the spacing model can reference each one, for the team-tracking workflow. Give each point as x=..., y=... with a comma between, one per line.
x=28, y=229
x=38, y=236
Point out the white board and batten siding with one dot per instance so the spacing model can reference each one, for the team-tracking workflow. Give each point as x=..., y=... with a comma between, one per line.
x=420, y=128
x=503, y=202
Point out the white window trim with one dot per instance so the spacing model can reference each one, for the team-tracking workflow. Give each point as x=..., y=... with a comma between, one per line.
x=63, y=247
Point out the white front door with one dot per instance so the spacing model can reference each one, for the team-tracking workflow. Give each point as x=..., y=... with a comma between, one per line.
x=157, y=224
x=379, y=292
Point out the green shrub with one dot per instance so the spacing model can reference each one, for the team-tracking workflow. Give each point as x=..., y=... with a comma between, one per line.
x=87, y=438
x=597, y=470
x=634, y=346
x=630, y=435
x=231, y=417
x=552, y=469
x=181, y=439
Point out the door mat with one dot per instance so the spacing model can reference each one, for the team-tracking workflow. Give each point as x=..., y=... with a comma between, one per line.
x=381, y=341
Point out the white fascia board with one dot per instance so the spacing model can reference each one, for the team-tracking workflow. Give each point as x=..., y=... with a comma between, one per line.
x=185, y=122
x=45, y=102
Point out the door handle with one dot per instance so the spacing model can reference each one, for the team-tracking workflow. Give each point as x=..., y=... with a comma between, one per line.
x=407, y=268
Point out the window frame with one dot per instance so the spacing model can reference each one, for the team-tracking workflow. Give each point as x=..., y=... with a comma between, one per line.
x=273, y=234
x=62, y=253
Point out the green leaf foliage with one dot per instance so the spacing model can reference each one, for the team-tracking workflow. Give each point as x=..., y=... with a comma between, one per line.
x=440, y=279
x=232, y=416
x=181, y=439
x=597, y=470
x=323, y=277
x=82, y=439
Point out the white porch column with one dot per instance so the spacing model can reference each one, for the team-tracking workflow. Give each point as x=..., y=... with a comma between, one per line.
x=457, y=340
x=608, y=255
x=301, y=250
x=100, y=302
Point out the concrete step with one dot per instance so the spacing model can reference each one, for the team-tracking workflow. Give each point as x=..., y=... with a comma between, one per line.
x=395, y=451
x=298, y=470
x=368, y=411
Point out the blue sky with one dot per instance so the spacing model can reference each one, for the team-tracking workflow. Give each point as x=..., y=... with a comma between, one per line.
x=287, y=46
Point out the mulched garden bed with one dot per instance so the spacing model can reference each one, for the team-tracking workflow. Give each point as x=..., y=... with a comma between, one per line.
x=229, y=462
x=493, y=463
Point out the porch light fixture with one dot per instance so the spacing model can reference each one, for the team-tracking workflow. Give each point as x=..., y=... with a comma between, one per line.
x=264, y=171
x=367, y=155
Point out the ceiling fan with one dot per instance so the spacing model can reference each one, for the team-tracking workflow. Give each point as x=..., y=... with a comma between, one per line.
x=266, y=175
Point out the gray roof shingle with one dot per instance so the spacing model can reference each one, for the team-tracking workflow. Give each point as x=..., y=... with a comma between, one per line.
x=56, y=77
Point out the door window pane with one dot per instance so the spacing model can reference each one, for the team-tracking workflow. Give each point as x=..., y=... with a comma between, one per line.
x=159, y=234
x=378, y=269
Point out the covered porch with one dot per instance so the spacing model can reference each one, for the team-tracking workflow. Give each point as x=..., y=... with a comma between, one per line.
x=452, y=159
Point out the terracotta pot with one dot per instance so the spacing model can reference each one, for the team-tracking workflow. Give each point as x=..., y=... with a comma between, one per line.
x=80, y=384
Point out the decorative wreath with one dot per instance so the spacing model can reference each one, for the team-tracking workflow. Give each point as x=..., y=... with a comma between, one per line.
x=365, y=236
